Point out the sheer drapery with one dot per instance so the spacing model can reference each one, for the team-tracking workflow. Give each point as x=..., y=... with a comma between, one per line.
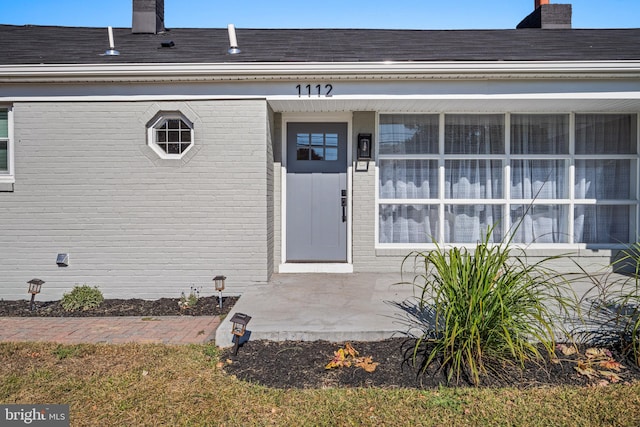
x=408, y=179
x=408, y=223
x=538, y=179
x=403, y=134
x=408, y=134
x=601, y=224
x=606, y=133
x=474, y=134
x=470, y=223
x=539, y=167
x=539, y=224
x=604, y=179
x=471, y=178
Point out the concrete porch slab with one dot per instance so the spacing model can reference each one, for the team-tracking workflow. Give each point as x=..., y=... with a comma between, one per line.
x=347, y=307
x=332, y=307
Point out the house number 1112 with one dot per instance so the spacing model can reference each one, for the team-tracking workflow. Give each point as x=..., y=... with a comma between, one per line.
x=317, y=90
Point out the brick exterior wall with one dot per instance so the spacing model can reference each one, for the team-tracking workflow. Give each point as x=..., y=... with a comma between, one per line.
x=87, y=184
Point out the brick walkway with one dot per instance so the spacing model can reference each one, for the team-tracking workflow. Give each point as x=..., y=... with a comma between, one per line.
x=111, y=330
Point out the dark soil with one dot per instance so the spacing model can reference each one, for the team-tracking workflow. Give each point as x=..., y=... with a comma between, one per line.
x=301, y=364
x=298, y=364
x=206, y=306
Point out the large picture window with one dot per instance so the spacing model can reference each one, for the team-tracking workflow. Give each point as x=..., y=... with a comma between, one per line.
x=534, y=178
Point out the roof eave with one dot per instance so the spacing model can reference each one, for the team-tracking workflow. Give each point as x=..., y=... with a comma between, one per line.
x=265, y=71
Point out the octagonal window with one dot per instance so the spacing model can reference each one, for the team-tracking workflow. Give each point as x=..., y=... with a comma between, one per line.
x=171, y=135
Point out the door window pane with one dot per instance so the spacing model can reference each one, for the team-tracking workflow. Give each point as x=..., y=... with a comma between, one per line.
x=302, y=146
x=331, y=153
x=331, y=139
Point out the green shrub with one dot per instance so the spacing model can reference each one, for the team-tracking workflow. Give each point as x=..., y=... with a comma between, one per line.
x=482, y=305
x=82, y=298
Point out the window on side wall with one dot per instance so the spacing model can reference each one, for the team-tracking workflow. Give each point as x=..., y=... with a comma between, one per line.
x=170, y=135
x=6, y=146
x=531, y=178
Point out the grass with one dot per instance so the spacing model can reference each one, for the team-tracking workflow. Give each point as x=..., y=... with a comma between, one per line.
x=180, y=385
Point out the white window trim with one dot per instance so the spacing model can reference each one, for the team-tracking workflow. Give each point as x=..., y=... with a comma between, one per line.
x=9, y=176
x=570, y=201
x=151, y=134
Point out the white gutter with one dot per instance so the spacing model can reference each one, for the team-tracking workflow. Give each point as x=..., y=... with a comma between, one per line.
x=68, y=73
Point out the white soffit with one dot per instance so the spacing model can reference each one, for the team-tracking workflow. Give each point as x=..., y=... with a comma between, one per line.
x=474, y=104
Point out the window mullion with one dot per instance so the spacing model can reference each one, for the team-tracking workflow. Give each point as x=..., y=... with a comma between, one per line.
x=506, y=176
x=441, y=178
x=572, y=177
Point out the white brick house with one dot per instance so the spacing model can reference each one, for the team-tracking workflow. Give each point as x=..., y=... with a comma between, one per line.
x=175, y=160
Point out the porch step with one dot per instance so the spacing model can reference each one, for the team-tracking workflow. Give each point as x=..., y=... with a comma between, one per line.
x=331, y=307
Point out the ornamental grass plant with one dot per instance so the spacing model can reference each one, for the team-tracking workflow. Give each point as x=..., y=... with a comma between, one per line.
x=613, y=306
x=484, y=305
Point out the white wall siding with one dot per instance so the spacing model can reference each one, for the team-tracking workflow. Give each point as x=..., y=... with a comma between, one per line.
x=135, y=225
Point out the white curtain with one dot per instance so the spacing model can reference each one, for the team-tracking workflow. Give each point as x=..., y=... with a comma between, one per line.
x=537, y=179
x=408, y=134
x=540, y=166
x=604, y=179
x=402, y=134
x=471, y=178
x=539, y=223
x=408, y=179
x=408, y=223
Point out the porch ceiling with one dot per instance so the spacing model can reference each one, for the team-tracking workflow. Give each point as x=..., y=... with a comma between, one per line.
x=608, y=102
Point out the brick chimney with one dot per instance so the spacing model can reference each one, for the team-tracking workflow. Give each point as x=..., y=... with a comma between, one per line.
x=548, y=16
x=148, y=16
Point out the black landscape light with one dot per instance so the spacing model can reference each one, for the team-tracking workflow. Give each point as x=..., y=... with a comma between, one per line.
x=240, y=321
x=34, y=288
x=218, y=282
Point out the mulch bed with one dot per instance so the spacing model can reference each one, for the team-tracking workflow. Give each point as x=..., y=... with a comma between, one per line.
x=301, y=364
x=206, y=306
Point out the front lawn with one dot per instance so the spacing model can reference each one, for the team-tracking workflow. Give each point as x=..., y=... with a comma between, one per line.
x=139, y=385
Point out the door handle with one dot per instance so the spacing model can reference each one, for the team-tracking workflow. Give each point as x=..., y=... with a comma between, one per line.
x=344, y=205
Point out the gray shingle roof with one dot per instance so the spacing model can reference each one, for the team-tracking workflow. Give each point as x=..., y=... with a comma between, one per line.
x=81, y=45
